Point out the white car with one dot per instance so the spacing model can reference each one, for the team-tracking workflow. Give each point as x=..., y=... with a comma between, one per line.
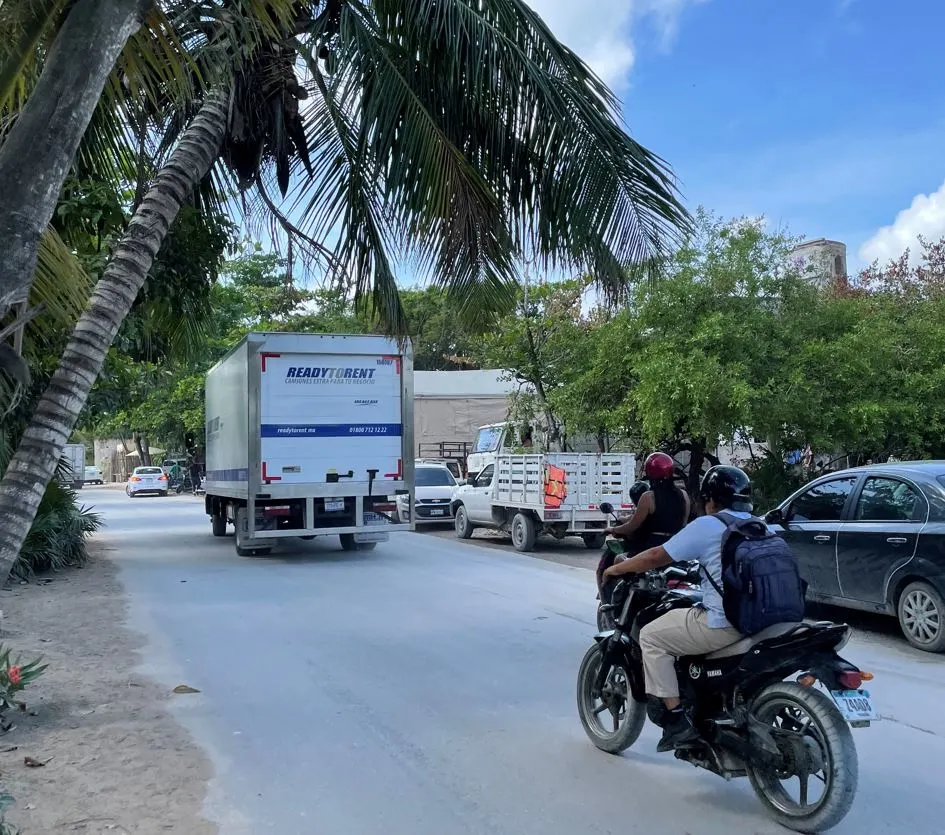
x=434, y=489
x=93, y=475
x=147, y=480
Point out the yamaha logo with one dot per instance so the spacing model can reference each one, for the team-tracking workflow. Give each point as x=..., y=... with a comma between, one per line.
x=695, y=671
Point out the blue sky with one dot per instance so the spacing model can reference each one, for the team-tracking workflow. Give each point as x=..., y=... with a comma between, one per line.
x=825, y=116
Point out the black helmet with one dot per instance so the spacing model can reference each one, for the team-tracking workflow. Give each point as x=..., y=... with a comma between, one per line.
x=637, y=490
x=727, y=486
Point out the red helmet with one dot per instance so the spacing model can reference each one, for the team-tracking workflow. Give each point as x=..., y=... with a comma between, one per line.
x=659, y=466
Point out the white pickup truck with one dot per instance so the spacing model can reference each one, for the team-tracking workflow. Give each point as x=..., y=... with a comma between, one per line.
x=557, y=493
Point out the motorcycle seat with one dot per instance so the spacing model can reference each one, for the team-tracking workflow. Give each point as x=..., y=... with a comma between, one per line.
x=742, y=646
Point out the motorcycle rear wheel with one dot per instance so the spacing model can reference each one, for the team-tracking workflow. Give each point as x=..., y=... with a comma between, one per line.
x=617, y=704
x=812, y=715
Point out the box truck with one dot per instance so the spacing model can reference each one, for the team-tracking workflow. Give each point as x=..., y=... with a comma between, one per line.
x=309, y=435
x=74, y=458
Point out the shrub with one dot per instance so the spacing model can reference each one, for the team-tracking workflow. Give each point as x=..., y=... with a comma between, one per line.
x=59, y=533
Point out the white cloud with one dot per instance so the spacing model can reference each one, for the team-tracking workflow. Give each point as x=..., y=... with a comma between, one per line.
x=600, y=31
x=925, y=217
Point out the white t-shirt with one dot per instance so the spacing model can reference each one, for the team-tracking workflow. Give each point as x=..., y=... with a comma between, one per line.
x=701, y=540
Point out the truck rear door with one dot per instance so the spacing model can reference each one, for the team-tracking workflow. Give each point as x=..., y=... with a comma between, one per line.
x=327, y=417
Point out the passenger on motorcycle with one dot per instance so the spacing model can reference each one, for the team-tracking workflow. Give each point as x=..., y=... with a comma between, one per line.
x=661, y=512
x=699, y=630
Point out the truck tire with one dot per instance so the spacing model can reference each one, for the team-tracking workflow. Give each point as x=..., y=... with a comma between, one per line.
x=523, y=532
x=593, y=541
x=464, y=528
x=348, y=543
x=218, y=525
x=242, y=549
x=921, y=613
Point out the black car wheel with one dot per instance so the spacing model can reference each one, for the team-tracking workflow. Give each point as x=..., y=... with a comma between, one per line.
x=922, y=617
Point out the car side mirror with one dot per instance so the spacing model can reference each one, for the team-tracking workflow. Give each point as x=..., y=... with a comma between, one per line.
x=471, y=480
x=606, y=507
x=775, y=517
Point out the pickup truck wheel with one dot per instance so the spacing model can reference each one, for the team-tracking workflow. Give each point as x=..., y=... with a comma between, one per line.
x=218, y=525
x=593, y=541
x=523, y=532
x=348, y=543
x=922, y=617
x=464, y=528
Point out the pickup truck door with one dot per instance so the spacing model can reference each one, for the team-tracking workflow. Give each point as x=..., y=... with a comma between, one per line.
x=478, y=498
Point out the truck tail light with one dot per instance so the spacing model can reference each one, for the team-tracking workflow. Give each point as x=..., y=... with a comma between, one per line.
x=384, y=508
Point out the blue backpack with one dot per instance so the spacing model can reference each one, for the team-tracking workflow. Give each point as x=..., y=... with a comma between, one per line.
x=761, y=581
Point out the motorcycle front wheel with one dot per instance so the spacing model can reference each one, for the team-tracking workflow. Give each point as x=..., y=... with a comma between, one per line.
x=613, y=721
x=816, y=791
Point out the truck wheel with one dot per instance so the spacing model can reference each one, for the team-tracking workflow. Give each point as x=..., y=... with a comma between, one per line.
x=922, y=617
x=218, y=525
x=464, y=528
x=523, y=532
x=242, y=548
x=348, y=543
x=593, y=541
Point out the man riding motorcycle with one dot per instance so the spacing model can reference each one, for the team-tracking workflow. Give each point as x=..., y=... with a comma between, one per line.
x=699, y=630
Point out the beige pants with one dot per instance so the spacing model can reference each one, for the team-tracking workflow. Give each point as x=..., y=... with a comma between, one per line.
x=680, y=632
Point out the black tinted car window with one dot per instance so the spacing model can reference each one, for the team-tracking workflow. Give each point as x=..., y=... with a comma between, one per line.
x=824, y=502
x=889, y=500
x=485, y=477
x=433, y=477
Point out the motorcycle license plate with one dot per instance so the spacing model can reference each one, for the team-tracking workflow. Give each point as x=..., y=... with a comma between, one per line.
x=855, y=705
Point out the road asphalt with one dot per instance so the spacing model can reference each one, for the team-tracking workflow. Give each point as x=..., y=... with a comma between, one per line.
x=427, y=688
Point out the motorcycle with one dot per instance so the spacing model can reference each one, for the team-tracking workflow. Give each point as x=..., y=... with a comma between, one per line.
x=752, y=722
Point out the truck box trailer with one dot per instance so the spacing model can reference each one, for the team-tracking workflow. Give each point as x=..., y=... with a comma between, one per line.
x=74, y=458
x=557, y=493
x=309, y=435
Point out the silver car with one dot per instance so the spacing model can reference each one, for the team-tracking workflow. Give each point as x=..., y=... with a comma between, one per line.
x=147, y=480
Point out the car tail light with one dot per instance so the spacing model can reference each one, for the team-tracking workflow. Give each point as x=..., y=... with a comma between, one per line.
x=162, y=478
x=134, y=478
x=852, y=679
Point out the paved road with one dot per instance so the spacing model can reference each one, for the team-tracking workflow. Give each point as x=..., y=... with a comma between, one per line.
x=427, y=689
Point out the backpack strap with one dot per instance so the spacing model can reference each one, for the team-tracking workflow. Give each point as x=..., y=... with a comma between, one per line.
x=728, y=520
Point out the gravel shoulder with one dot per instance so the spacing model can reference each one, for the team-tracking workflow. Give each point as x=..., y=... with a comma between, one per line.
x=116, y=760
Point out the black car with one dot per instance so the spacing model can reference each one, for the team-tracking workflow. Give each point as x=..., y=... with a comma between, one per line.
x=873, y=538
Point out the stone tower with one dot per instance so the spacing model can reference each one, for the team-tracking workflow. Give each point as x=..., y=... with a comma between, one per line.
x=824, y=261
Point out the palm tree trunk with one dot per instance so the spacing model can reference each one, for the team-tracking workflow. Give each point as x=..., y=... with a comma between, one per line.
x=36, y=155
x=34, y=463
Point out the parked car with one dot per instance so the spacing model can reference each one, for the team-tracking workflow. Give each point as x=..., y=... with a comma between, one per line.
x=450, y=463
x=434, y=485
x=147, y=480
x=873, y=538
x=93, y=475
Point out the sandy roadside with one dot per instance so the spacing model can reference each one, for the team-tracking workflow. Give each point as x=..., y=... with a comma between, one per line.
x=117, y=761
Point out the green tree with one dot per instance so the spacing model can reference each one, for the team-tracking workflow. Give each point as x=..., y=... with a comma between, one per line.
x=422, y=140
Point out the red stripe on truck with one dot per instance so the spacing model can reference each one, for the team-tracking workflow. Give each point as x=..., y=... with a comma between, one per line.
x=265, y=355
x=267, y=477
x=400, y=471
x=396, y=362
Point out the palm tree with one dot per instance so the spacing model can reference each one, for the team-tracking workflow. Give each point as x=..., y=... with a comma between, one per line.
x=458, y=133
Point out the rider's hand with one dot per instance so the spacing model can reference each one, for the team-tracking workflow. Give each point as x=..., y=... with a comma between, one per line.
x=608, y=531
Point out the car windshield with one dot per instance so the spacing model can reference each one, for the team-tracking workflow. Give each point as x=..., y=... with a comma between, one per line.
x=434, y=477
x=488, y=438
x=148, y=471
x=941, y=480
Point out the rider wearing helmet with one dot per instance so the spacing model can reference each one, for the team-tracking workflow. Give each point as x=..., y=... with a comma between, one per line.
x=661, y=511
x=699, y=630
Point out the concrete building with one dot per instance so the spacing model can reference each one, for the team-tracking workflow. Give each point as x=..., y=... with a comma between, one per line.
x=824, y=260
x=449, y=406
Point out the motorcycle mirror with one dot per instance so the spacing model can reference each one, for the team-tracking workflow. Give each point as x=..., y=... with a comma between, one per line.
x=606, y=507
x=774, y=517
